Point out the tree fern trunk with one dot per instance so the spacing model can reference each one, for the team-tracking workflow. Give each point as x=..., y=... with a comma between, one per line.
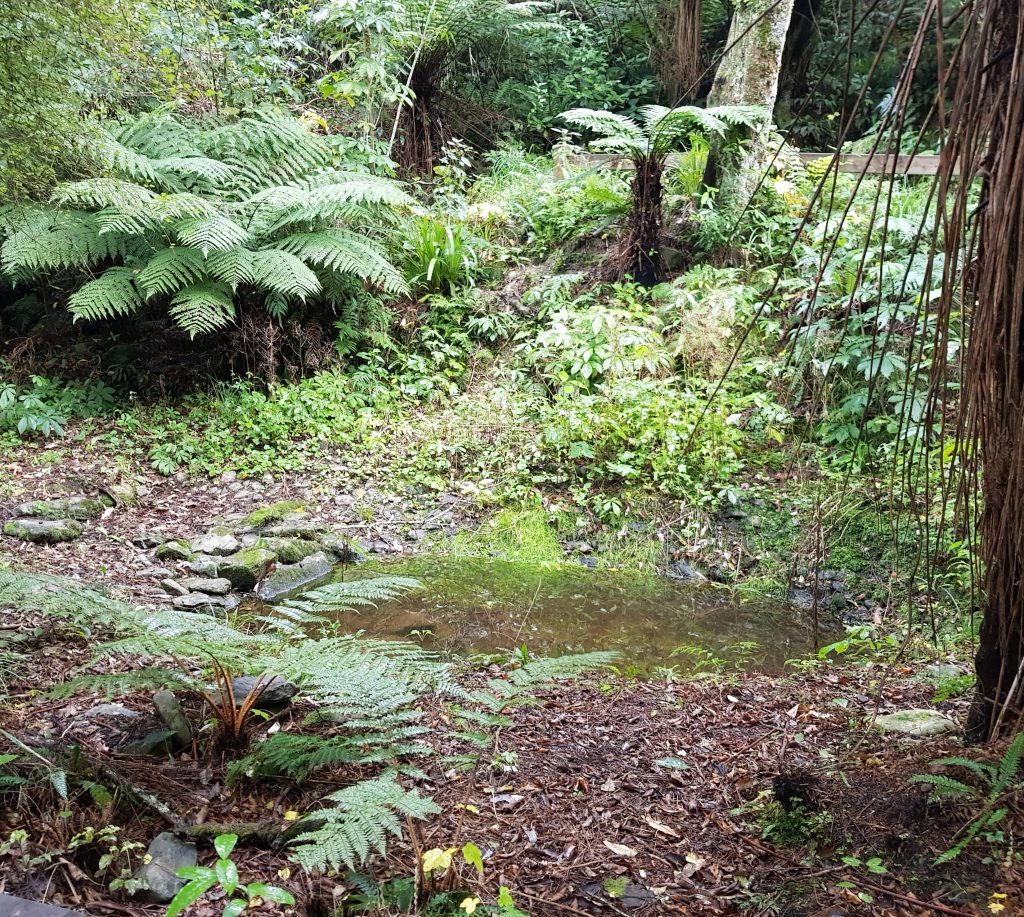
x=641, y=254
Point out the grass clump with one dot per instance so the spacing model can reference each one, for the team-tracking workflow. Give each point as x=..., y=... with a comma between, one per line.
x=521, y=534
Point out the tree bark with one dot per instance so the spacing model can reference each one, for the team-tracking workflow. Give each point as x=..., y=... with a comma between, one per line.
x=641, y=253
x=749, y=75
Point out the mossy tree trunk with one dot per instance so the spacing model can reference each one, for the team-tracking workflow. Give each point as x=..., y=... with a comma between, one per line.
x=749, y=75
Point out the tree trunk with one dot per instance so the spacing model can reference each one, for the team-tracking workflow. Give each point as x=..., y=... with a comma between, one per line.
x=993, y=90
x=749, y=75
x=801, y=42
x=641, y=253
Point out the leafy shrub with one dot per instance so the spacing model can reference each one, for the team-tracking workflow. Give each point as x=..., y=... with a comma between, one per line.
x=44, y=406
x=206, y=218
x=590, y=341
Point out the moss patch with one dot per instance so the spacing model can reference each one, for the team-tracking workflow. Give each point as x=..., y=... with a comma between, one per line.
x=273, y=513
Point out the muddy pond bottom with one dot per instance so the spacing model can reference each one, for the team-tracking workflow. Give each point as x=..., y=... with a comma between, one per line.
x=486, y=606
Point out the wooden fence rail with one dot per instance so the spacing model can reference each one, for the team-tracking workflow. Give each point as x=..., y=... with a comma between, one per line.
x=856, y=163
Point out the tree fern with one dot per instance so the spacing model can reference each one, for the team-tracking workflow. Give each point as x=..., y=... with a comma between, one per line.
x=208, y=217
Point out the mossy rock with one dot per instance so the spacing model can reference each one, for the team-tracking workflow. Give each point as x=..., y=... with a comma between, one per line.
x=295, y=525
x=290, y=550
x=292, y=578
x=344, y=549
x=173, y=550
x=268, y=515
x=245, y=568
x=79, y=508
x=43, y=531
x=917, y=722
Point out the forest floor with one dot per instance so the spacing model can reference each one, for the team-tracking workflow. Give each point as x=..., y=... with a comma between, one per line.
x=626, y=797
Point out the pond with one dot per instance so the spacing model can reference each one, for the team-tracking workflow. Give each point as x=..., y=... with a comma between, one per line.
x=472, y=605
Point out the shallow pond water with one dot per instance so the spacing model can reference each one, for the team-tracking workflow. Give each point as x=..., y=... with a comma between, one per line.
x=481, y=605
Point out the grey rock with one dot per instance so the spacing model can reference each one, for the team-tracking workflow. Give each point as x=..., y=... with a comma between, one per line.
x=916, y=722
x=149, y=539
x=211, y=586
x=207, y=604
x=166, y=855
x=43, y=531
x=79, y=508
x=342, y=548
x=295, y=525
x=168, y=707
x=173, y=587
x=109, y=711
x=18, y=907
x=289, y=578
x=681, y=570
x=943, y=670
x=278, y=692
x=156, y=742
x=219, y=541
x=205, y=566
x=245, y=568
x=586, y=560
x=173, y=550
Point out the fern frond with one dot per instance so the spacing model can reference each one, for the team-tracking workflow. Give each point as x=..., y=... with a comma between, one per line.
x=198, y=168
x=344, y=252
x=944, y=787
x=202, y=308
x=606, y=123
x=358, y=822
x=111, y=294
x=283, y=273
x=233, y=267
x=103, y=192
x=58, y=241
x=169, y=270
x=1009, y=765
x=210, y=232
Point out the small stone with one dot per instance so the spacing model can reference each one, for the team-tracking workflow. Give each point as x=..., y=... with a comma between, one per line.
x=205, y=566
x=173, y=550
x=148, y=539
x=155, y=742
x=916, y=722
x=123, y=493
x=289, y=578
x=109, y=711
x=168, y=707
x=82, y=509
x=166, y=855
x=245, y=568
x=219, y=541
x=943, y=670
x=43, y=531
x=173, y=587
x=276, y=512
x=205, y=604
x=211, y=586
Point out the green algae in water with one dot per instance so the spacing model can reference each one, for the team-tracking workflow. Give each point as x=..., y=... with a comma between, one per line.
x=473, y=605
